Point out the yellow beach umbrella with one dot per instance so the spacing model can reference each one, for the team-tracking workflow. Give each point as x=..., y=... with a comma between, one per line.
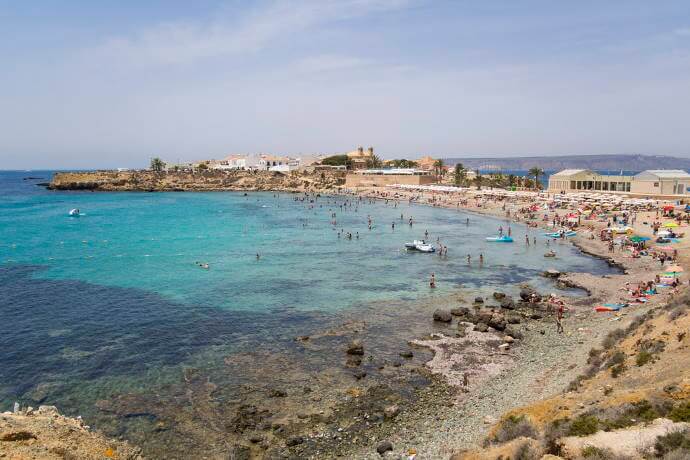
x=670, y=224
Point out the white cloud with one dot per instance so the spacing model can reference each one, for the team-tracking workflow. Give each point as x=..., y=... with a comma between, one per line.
x=184, y=42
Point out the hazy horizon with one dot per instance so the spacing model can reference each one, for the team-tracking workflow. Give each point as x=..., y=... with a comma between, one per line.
x=112, y=84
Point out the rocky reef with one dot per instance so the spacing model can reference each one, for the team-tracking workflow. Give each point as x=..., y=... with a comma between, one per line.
x=210, y=180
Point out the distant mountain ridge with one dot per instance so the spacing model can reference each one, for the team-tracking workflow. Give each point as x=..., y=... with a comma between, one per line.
x=595, y=162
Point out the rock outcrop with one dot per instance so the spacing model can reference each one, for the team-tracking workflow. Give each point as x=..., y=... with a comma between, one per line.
x=236, y=180
x=46, y=434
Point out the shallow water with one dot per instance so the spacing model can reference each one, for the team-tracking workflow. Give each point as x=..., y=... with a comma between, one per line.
x=113, y=303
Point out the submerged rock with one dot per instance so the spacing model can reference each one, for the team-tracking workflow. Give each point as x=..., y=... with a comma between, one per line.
x=551, y=273
x=391, y=411
x=355, y=348
x=499, y=295
x=508, y=303
x=443, y=316
x=460, y=311
x=478, y=300
x=406, y=354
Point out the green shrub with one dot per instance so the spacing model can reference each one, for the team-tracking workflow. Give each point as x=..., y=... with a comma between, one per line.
x=671, y=442
x=680, y=413
x=584, y=425
x=617, y=370
x=526, y=452
x=616, y=358
x=643, y=358
x=515, y=427
x=641, y=411
x=613, y=337
x=596, y=453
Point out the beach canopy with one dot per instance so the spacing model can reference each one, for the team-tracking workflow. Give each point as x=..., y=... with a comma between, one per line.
x=664, y=248
x=668, y=207
x=674, y=269
x=670, y=224
x=639, y=239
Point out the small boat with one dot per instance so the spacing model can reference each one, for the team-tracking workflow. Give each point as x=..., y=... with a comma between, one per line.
x=414, y=244
x=500, y=239
x=560, y=234
x=74, y=212
x=605, y=308
x=425, y=248
x=419, y=245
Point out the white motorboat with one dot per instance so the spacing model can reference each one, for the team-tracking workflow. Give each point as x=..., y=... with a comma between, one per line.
x=425, y=248
x=414, y=244
x=74, y=212
x=419, y=245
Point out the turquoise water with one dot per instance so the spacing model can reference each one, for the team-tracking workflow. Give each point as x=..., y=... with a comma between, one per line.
x=113, y=302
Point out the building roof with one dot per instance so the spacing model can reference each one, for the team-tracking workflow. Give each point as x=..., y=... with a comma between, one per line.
x=663, y=174
x=570, y=172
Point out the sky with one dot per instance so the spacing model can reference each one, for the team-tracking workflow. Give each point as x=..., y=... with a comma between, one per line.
x=112, y=83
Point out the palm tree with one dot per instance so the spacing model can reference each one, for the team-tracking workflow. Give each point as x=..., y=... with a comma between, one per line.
x=478, y=179
x=157, y=164
x=536, y=172
x=374, y=162
x=438, y=168
x=459, y=174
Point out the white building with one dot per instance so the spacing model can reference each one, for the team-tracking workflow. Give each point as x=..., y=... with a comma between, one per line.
x=658, y=182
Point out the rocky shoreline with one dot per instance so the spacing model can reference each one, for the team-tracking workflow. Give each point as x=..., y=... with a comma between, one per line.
x=200, y=181
x=45, y=434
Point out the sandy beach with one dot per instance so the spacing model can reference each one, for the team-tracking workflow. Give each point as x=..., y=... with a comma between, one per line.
x=544, y=362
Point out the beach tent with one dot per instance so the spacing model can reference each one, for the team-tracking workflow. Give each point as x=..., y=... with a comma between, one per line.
x=664, y=248
x=674, y=269
x=639, y=239
x=670, y=224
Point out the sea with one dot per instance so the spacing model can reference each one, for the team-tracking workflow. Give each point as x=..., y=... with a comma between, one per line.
x=112, y=316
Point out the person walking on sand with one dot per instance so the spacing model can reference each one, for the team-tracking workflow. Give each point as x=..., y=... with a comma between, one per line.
x=432, y=281
x=559, y=317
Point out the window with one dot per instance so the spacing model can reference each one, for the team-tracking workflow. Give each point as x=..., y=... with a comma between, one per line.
x=627, y=187
x=656, y=184
x=572, y=185
x=604, y=185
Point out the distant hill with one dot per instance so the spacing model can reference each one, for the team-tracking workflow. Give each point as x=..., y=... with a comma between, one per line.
x=595, y=162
